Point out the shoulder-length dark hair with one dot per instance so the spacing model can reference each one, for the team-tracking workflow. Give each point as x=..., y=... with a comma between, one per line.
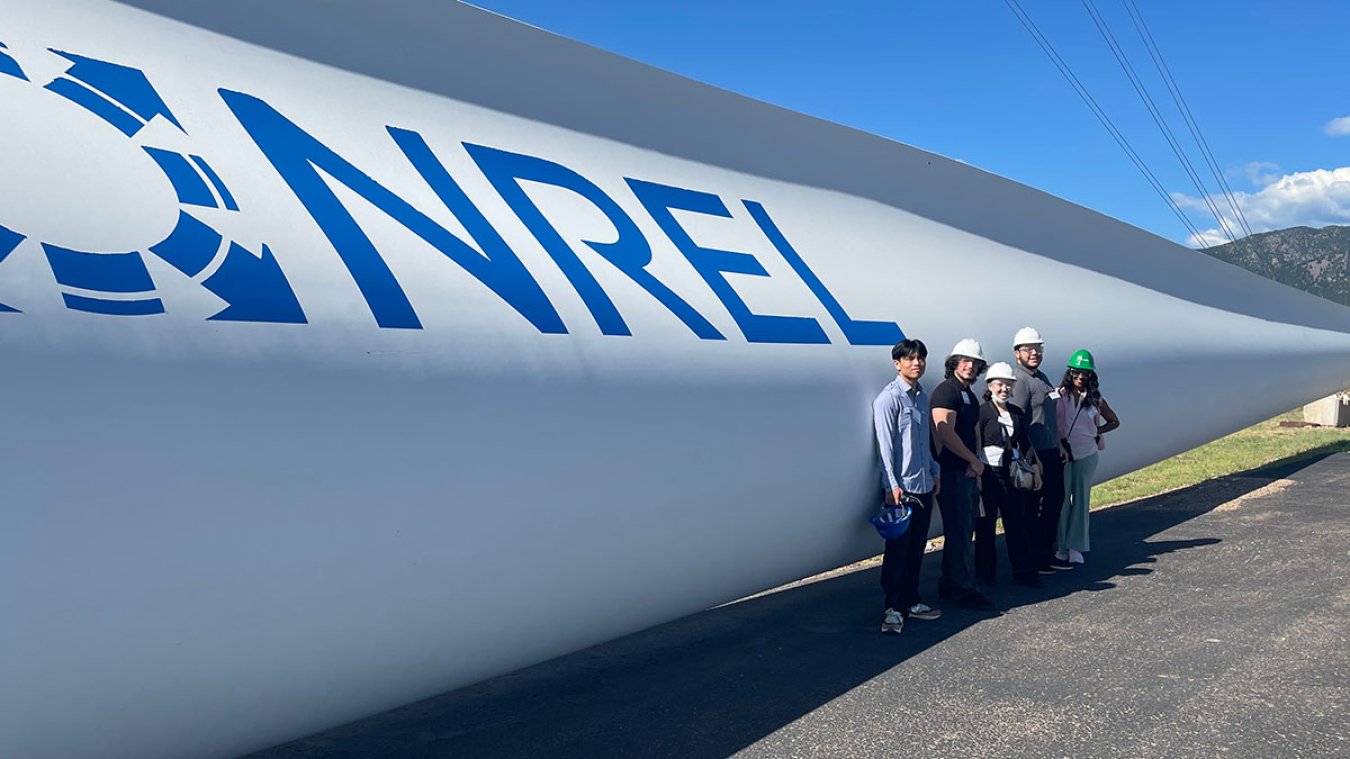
x=950, y=367
x=1091, y=395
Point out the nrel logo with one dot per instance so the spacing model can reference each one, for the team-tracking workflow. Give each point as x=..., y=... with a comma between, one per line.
x=172, y=192
x=110, y=277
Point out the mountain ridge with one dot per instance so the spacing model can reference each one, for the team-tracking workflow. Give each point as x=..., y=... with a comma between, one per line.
x=1307, y=258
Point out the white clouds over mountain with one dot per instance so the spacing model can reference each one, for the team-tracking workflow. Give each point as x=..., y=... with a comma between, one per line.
x=1306, y=198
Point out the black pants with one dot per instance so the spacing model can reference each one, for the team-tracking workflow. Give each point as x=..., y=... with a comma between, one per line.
x=957, y=502
x=904, y=557
x=1001, y=500
x=1043, y=507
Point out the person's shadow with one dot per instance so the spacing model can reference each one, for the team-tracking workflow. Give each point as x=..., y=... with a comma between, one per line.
x=713, y=683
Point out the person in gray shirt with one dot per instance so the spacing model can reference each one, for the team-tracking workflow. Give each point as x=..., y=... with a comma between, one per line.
x=1034, y=393
x=900, y=418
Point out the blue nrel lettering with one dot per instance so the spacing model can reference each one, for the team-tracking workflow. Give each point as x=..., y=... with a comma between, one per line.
x=711, y=263
x=298, y=156
x=630, y=254
x=857, y=332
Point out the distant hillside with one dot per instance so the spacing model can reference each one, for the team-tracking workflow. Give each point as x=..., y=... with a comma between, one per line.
x=1315, y=260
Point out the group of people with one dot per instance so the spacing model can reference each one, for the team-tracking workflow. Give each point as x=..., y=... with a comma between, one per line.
x=1026, y=454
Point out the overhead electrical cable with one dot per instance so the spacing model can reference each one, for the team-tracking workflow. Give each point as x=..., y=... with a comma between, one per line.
x=1137, y=18
x=1122, y=58
x=1063, y=67
x=1140, y=26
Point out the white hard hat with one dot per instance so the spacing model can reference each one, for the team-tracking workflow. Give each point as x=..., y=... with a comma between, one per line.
x=969, y=348
x=1027, y=336
x=1000, y=371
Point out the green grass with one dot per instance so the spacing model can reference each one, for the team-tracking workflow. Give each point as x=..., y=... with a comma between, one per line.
x=1246, y=449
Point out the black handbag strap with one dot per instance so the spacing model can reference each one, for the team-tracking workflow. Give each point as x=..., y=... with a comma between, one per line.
x=1079, y=411
x=1007, y=442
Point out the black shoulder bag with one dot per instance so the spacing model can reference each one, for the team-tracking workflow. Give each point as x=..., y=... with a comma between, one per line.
x=1022, y=475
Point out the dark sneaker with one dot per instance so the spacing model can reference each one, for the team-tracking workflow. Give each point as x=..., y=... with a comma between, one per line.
x=977, y=601
x=893, y=622
x=1045, y=570
x=924, y=611
x=1060, y=564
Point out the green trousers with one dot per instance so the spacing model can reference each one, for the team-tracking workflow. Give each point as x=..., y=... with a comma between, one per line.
x=1073, y=518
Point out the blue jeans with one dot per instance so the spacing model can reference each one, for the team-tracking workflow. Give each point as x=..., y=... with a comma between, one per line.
x=957, y=502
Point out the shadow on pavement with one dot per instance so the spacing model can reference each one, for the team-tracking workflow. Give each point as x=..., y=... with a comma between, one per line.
x=714, y=683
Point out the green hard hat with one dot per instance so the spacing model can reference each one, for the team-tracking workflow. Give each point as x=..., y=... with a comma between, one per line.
x=1082, y=360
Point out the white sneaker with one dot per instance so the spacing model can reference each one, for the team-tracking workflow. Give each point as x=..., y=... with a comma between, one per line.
x=924, y=611
x=1075, y=557
x=893, y=622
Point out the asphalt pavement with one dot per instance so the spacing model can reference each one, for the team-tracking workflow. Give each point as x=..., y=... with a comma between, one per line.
x=1211, y=621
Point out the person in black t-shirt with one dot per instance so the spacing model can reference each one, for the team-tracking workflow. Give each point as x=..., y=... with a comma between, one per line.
x=956, y=411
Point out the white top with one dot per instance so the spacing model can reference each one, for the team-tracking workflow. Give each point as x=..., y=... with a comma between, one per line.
x=1077, y=426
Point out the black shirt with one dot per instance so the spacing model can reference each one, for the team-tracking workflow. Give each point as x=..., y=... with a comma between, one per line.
x=991, y=432
x=951, y=395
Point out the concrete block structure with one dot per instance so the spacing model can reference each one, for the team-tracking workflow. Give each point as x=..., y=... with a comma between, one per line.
x=1332, y=411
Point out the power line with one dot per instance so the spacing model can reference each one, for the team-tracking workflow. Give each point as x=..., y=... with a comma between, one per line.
x=1118, y=51
x=1137, y=18
x=1063, y=67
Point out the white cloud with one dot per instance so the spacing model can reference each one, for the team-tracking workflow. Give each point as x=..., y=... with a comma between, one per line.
x=1259, y=173
x=1339, y=127
x=1207, y=238
x=1305, y=198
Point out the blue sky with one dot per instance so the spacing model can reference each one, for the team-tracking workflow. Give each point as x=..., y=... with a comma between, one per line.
x=1266, y=81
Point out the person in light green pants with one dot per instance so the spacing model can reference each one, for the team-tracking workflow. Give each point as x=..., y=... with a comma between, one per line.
x=1083, y=417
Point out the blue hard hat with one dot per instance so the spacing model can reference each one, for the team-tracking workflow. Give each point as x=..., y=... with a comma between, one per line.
x=892, y=521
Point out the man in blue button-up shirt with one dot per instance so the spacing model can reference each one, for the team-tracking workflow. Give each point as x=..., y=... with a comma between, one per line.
x=905, y=456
